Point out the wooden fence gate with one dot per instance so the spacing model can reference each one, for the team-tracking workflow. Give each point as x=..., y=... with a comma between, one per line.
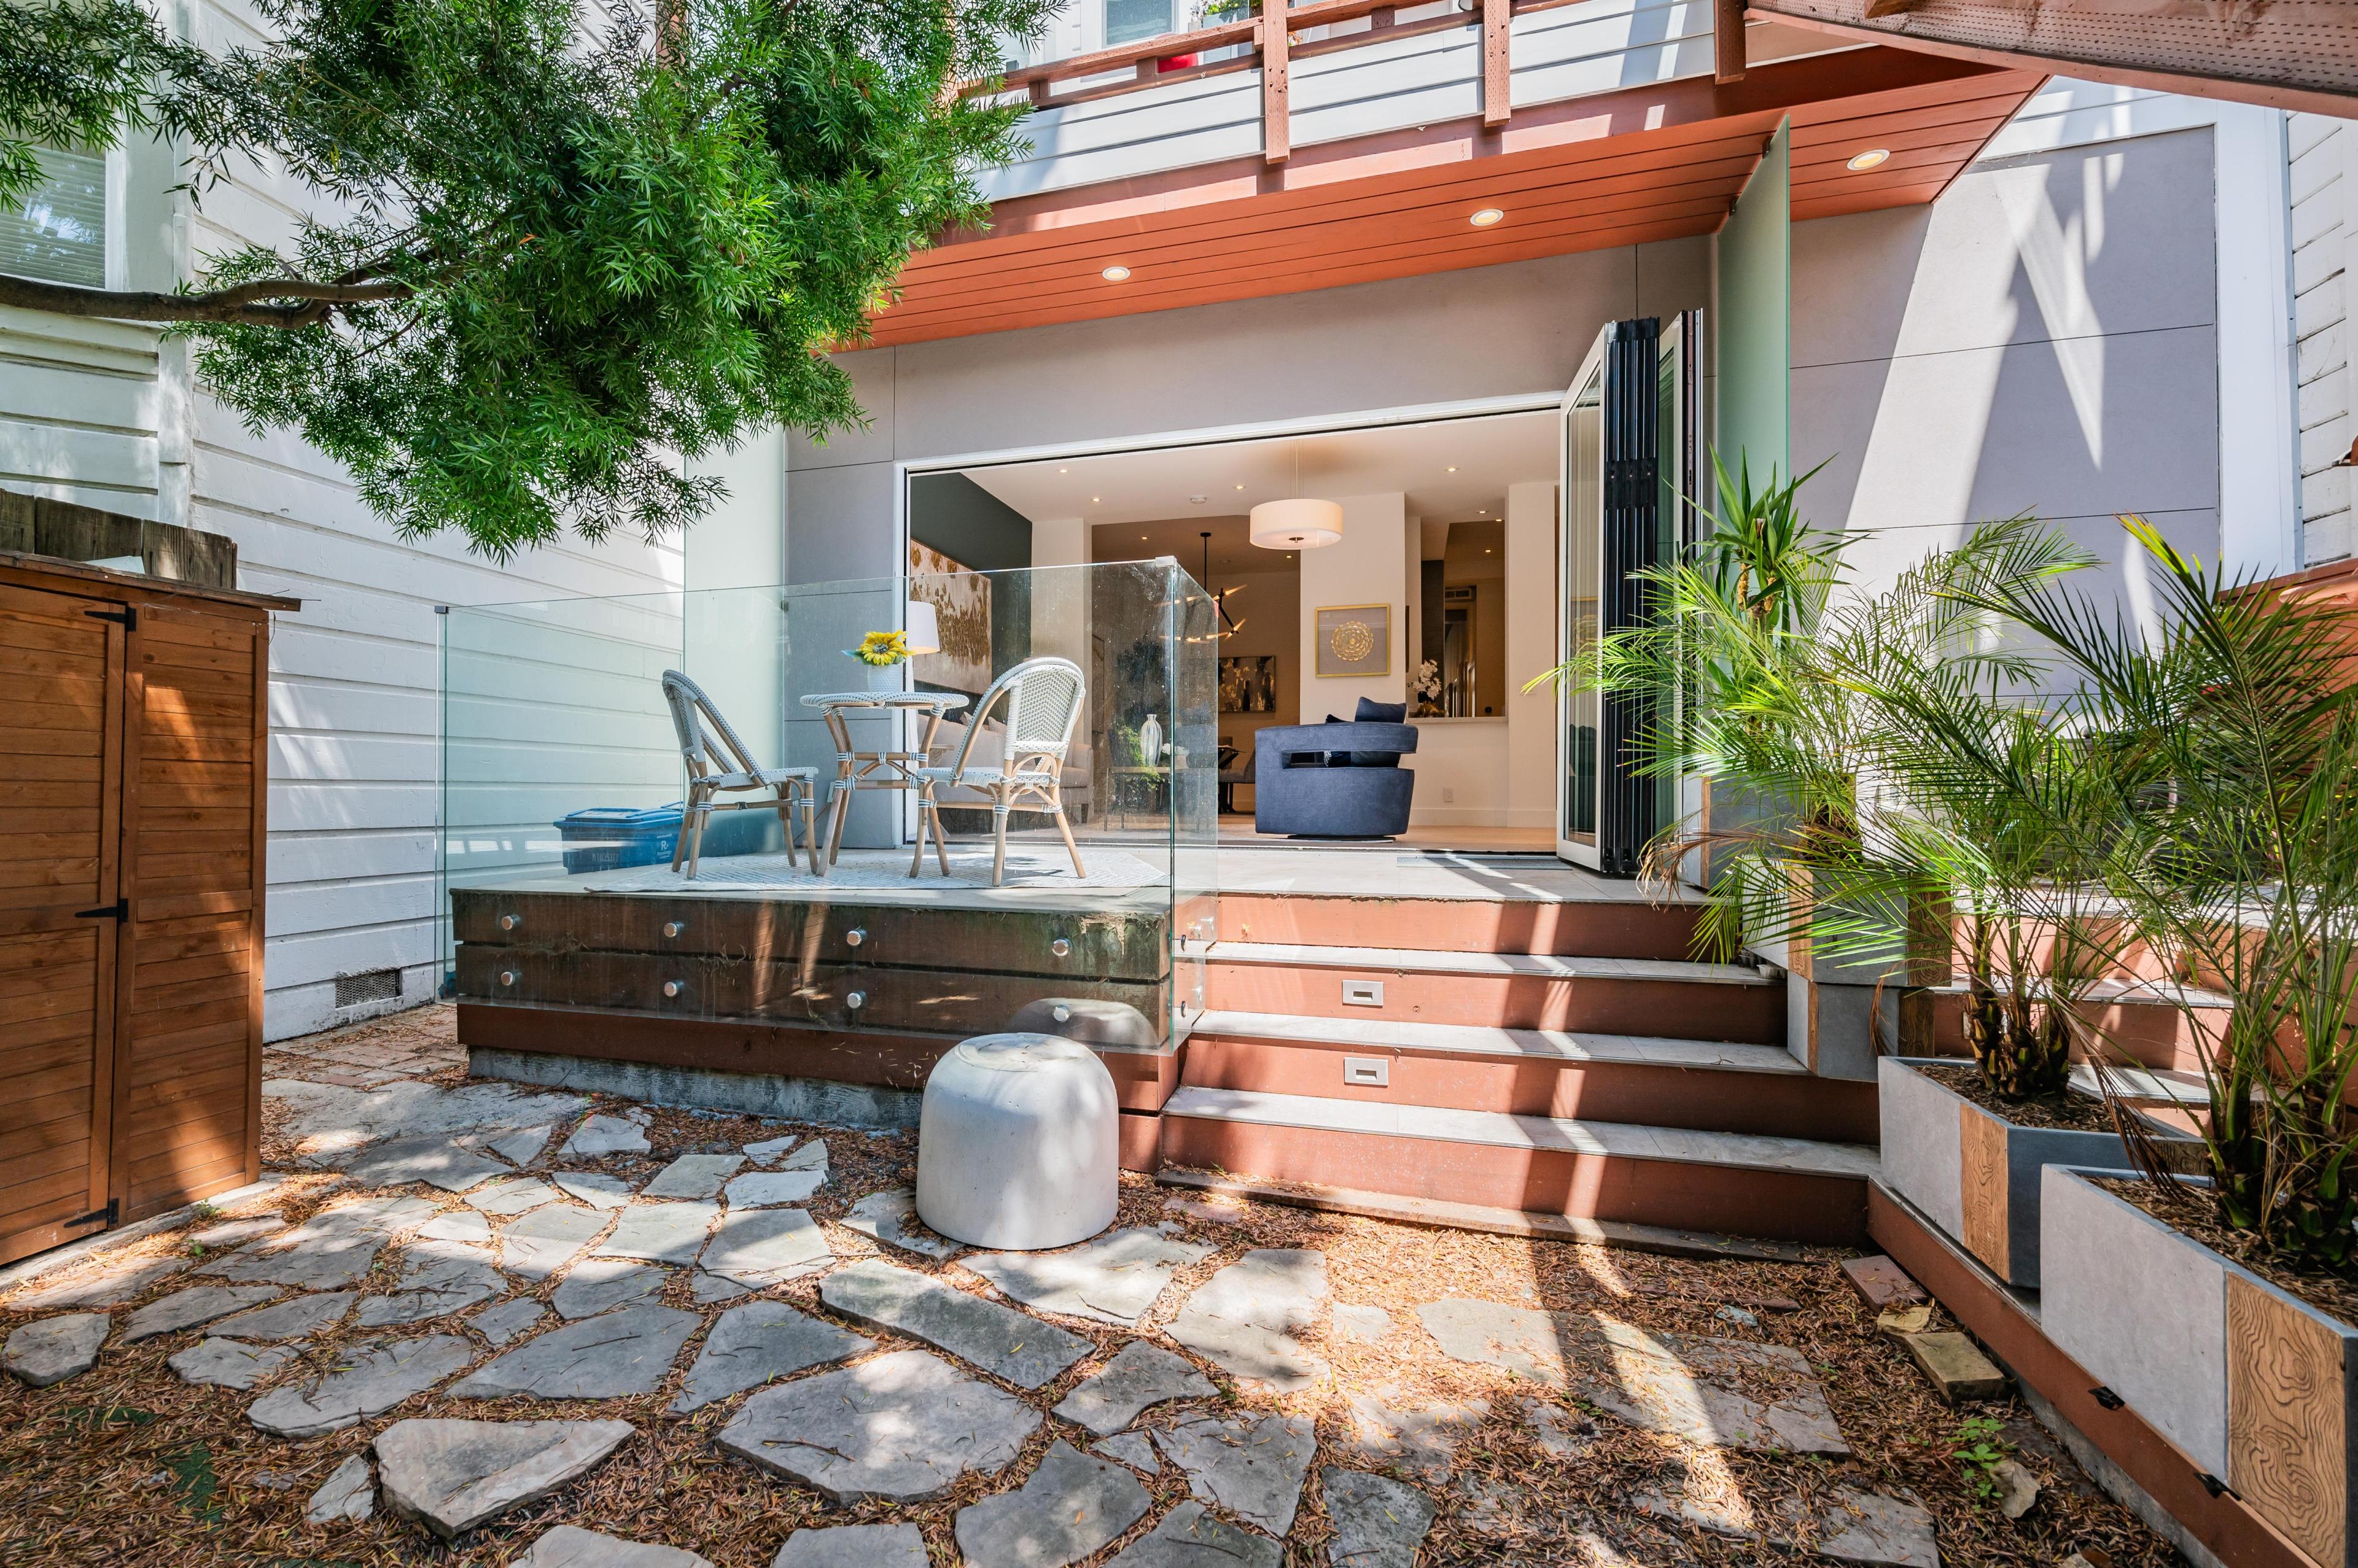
x=134, y=776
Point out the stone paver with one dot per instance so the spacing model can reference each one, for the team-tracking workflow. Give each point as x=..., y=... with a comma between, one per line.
x=1243, y=1318
x=660, y=1232
x=694, y=1176
x=189, y=1308
x=890, y=1217
x=1365, y=1325
x=1730, y=1391
x=55, y=1348
x=603, y=1358
x=772, y=1189
x=757, y=1342
x=1114, y=1279
x=1071, y=1506
x=329, y=1122
x=451, y=1476
x=570, y=1546
x=1850, y=1526
x=769, y=1148
x=433, y=1160
x=595, y=1188
x=811, y=1156
x=231, y=1363
x=463, y=1225
x=854, y=1546
x=111, y=1286
x=520, y=1196
x=1560, y=1433
x=348, y=1493
x=1134, y=1449
x=764, y=1247
x=296, y=1318
x=600, y=1135
x=508, y=1319
x=333, y=1248
x=597, y=1284
x=1140, y=1374
x=367, y=1380
x=523, y=1146
x=438, y=1278
x=1378, y=1523
x=1190, y=1538
x=546, y=1239
x=999, y=1340
x=901, y=1428
x=1253, y=1469
x=236, y=1232
x=1421, y=1438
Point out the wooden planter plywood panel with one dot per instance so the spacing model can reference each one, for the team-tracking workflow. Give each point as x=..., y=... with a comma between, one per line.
x=133, y=790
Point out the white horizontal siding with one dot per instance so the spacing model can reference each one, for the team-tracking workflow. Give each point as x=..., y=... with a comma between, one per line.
x=2323, y=151
x=1573, y=50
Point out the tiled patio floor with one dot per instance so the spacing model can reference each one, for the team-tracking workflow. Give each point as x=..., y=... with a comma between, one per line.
x=476, y=1323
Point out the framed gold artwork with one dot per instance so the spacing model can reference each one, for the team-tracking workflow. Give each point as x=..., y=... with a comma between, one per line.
x=1354, y=638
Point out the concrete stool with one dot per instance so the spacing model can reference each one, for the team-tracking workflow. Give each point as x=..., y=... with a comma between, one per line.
x=1017, y=1147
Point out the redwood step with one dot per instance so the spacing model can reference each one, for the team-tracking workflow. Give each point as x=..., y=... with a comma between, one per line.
x=1509, y=922
x=1715, y=1087
x=1655, y=997
x=1787, y=1189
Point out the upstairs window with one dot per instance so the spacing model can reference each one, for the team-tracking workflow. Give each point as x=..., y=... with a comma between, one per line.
x=58, y=232
x=1129, y=21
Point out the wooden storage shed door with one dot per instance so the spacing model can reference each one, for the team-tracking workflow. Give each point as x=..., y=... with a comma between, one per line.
x=61, y=744
x=188, y=1121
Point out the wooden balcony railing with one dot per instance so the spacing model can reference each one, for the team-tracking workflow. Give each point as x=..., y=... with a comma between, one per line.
x=1270, y=44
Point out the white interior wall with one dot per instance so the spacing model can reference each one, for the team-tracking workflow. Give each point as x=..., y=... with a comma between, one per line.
x=1367, y=566
x=1529, y=763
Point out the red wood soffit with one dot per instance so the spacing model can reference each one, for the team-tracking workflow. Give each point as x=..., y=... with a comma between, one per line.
x=1659, y=162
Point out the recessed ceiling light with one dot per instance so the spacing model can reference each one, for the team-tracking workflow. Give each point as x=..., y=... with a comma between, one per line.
x=1485, y=216
x=1116, y=274
x=1871, y=158
x=1453, y=467
x=1197, y=500
x=1064, y=470
x=1241, y=487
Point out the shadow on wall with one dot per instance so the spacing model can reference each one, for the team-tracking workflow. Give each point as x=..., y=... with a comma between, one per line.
x=2041, y=339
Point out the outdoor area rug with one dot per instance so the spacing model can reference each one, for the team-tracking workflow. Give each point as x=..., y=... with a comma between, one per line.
x=875, y=869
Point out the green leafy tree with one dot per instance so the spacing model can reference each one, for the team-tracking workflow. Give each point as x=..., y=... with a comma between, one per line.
x=552, y=258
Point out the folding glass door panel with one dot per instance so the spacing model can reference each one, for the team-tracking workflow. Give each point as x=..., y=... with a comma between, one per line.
x=1625, y=463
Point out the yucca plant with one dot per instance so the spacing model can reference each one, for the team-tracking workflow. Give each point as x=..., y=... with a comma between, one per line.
x=2233, y=735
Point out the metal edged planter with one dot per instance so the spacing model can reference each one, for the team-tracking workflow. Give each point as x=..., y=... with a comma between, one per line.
x=1975, y=1174
x=2256, y=1386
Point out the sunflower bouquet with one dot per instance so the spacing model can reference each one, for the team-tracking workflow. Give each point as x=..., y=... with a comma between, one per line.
x=881, y=650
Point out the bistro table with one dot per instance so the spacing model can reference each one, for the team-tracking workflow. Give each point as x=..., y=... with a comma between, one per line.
x=857, y=770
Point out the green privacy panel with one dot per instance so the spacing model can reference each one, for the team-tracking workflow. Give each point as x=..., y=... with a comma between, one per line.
x=1756, y=317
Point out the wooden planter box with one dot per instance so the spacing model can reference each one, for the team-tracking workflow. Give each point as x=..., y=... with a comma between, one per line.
x=1973, y=1174
x=2256, y=1386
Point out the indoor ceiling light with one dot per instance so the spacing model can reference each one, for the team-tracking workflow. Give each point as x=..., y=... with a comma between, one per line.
x=1095, y=499
x=1302, y=523
x=1484, y=217
x=1116, y=274
x=1870, y=158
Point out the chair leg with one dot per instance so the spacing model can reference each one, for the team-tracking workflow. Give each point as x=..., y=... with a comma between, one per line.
x=840, y=795
x=998, y=840
x=917, y=861
x=703, y=814
x=1057, y=804
x=941, y=841
x=810, y=832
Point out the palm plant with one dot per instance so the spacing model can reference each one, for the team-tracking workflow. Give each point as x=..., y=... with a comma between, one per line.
x=2234, y=853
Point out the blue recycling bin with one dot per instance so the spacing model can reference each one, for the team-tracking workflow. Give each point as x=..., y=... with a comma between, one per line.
x=607, y=838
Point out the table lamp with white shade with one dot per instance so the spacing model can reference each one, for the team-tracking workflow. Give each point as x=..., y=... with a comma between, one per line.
x=922, y=628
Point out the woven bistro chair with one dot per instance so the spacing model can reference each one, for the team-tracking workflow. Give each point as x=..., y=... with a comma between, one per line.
x=1043, y=699
x=718, y=763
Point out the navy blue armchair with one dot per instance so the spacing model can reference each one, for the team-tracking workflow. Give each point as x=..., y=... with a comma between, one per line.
x=1333, y=781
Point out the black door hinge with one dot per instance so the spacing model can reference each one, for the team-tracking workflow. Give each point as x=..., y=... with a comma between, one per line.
x=128, y=616
x=2106, y=1397
x=118, y=912
x=107, y=1216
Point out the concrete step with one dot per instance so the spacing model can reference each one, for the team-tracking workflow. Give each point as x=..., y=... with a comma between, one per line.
x=1656, y=997
x=1696, y=1084
x=1788, y=1189
x=1512, y=921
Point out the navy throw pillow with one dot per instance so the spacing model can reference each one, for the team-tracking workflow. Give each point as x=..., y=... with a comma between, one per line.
x=1382, y=712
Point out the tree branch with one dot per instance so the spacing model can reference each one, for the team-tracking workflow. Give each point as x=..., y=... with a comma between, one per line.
x=245, y=304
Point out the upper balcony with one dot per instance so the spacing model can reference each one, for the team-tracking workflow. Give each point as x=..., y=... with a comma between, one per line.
x=1341, y=141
